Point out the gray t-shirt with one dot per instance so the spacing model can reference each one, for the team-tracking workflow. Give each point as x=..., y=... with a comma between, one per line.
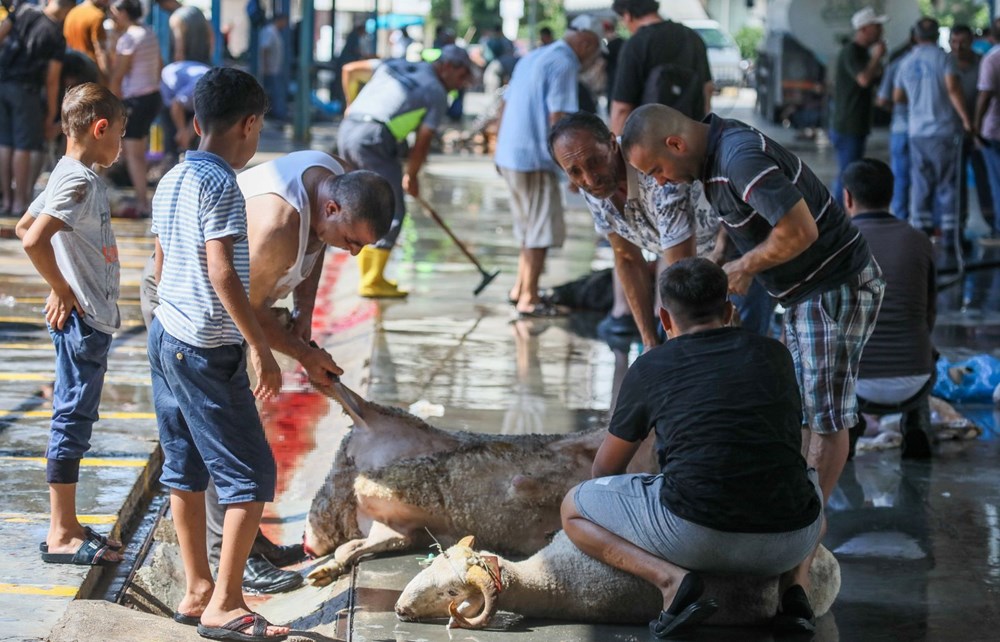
x=922, y=76
x=85, y=248
x=403, y=95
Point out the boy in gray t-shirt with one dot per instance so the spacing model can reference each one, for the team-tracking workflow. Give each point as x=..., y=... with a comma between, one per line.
x=67, y=235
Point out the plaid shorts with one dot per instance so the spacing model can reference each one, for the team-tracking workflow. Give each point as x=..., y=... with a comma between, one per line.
x=826, y=335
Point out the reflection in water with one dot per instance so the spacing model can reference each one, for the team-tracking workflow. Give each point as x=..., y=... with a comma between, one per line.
x=526, y=412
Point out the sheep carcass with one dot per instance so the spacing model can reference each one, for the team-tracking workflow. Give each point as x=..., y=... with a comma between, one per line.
x=561, y=582
x=394, y=476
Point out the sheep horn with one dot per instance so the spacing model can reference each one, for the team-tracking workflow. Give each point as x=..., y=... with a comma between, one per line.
x=479, y=578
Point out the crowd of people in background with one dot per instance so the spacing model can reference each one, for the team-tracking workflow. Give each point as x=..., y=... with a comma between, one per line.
x=726, y=221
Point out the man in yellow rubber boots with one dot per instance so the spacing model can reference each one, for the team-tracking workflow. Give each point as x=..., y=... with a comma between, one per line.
x=401, y=97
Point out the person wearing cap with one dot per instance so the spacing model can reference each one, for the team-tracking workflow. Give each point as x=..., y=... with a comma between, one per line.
x=658, y=49
x=402, y=97
x=859, y=67
x=928, y=83
x=542, y=90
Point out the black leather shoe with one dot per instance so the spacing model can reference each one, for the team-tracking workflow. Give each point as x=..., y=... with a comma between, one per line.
x=282, y=556
x=262, y=576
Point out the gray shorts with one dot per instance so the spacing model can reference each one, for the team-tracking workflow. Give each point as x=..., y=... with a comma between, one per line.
x=629, y=506
x=536, y=203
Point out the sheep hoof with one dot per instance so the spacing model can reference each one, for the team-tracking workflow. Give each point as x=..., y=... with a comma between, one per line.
x=325, y=574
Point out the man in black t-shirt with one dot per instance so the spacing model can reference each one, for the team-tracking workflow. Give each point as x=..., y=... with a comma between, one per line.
x=859, y=67
x=663, y=61
x=32, y=47
x=796, y=240
x=734, y=495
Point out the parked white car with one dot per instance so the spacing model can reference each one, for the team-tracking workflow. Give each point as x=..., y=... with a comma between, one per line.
x=723, y=54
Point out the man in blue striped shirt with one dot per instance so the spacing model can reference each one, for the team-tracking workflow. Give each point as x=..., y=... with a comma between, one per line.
x=198, y=342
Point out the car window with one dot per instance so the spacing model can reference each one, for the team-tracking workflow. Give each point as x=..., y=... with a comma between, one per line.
x=714, y=39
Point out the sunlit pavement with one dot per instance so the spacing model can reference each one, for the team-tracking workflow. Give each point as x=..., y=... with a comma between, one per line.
x=919, y=544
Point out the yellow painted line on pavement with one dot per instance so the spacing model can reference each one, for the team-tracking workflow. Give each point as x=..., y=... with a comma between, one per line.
x=40, y=300
x=30, y=518
x=40, y=320
x=87, y=462
x=104, y=415
x=27, y=346
x=49, y=377
x=20, y=260
x=33, y=589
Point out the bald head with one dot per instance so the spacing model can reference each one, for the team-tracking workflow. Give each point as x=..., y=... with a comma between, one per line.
x=664, y=143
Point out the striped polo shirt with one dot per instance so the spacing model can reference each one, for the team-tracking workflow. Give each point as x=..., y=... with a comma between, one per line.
x=198, y=201
x=752, y=182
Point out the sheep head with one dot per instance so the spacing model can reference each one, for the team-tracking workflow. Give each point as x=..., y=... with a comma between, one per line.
x=459, y=583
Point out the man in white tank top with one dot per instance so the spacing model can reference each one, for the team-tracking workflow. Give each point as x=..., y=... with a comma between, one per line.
x=297, y=205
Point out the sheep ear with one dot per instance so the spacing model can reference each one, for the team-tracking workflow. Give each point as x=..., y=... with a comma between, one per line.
x=469, y=541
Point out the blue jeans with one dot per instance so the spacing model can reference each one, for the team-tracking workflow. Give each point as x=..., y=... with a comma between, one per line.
x=899, y=152
x=849, y=148
x=277, y=95
x=756, y=308
x=991, y=155
x=81, y=361
x=208, y=420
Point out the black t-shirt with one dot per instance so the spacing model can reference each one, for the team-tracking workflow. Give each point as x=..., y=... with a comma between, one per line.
x=33, y=41
x=656, y=44
x=727, y=415
x=852, y=103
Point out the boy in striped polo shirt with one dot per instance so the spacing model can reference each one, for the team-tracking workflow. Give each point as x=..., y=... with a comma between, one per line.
x=198, y=346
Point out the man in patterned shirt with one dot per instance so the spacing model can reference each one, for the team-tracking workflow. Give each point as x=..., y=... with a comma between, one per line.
x=673, y=221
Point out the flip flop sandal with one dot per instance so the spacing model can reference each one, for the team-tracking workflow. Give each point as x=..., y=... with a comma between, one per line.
x=89, y=534
x=541, y=311
x=187, y=620
x=235, y=630
x=90, y=553
x=103, y=539
x=666, y=625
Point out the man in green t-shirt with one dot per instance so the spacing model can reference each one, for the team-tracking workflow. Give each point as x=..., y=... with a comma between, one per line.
x=859, y=67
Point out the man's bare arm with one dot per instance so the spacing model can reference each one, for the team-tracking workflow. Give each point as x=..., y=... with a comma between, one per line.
x=229, y=288
x=633, y=274
x=958, y=100
x=613, y=456
x=53, y=85
x=793, y=234
x=619, y=114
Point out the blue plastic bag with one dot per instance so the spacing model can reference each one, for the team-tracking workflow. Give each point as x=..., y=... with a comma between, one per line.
x=968, y=381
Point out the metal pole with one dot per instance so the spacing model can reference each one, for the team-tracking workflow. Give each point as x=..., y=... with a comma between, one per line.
x=303, y=96
x=217, y=30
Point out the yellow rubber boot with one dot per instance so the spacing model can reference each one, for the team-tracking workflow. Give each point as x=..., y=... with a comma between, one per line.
x=371, y=262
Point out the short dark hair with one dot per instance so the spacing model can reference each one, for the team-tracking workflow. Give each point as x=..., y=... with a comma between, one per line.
x=870, y=183
x=545, y=31
x=364, y=195
x=64, y=4
x=580, y=121
x=927, y=29
x=635, y=8
x=86, y=103
x=131, y=8
x=962, y=30
x=224, y=96
x=694, y=290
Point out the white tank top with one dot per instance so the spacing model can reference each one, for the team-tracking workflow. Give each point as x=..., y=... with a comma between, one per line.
x=283, y=177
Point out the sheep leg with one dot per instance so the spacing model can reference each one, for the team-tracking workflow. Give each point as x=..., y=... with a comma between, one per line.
x=381, y=538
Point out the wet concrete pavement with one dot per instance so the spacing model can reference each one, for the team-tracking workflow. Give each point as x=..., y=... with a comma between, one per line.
x=918, y=543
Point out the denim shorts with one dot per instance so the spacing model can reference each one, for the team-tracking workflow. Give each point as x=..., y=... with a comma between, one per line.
x=208, y=421
x=81, y=361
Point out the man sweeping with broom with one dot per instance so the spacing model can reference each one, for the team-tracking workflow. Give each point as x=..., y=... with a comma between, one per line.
x=401, y=97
